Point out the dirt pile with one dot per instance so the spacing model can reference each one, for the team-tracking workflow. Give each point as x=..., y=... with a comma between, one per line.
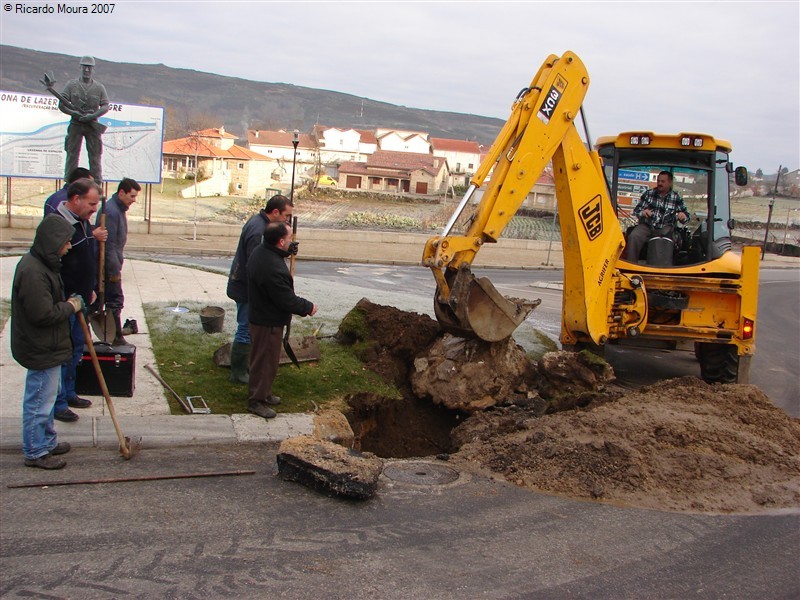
x=387, y=338
x=678, y=445
x=561, y=426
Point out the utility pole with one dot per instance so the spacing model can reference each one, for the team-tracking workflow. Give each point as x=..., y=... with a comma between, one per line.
x=295, y=141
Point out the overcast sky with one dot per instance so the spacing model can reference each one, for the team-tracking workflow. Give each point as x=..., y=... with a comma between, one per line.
x=731, y=69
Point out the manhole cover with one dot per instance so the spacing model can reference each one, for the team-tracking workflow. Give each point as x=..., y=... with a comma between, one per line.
x=420, y=473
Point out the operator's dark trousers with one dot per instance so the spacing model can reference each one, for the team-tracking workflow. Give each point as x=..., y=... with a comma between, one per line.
x=76, y=133
x=640, y=235
x=265, y=355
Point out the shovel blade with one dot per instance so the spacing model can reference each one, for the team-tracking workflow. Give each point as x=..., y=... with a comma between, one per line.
x=104, y=326
x=132, y=447
x=306, y=349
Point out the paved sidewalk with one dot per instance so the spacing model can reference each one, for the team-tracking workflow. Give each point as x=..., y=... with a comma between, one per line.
x=147, y=413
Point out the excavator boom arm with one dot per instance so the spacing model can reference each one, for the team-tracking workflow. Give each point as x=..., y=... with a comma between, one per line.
x=541, y=128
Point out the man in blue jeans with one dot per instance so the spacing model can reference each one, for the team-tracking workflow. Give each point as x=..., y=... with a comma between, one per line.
x=79, y=272
x=278, y=209
x=40, y=338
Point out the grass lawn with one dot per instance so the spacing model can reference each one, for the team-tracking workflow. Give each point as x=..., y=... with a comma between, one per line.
x=184, y=353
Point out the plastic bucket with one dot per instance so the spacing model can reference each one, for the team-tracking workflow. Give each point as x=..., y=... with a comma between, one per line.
x=212, y=318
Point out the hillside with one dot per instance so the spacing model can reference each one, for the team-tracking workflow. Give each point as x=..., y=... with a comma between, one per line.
x=238, y=104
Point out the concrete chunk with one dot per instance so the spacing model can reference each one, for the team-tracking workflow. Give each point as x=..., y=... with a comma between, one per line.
x=329, y=468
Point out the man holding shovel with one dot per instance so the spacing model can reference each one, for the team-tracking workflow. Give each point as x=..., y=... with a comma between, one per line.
x=40, y=338
x=79, y=273
x=272, y=302
x=278, y=210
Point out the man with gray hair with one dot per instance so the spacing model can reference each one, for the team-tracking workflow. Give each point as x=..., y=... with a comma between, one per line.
x=79, y=274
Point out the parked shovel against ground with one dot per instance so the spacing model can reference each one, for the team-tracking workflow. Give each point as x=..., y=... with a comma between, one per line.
x=102, y=321
x=188, y=405
x=127, y=448
x=287, y=347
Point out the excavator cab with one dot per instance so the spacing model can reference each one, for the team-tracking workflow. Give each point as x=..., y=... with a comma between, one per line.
x=701, y=170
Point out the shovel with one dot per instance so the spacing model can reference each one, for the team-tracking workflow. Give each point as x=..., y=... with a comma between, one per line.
x=287, y=347
x=127, y=448
x=103, y=323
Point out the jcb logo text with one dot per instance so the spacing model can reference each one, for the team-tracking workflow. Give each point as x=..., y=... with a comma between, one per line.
x=591, y=216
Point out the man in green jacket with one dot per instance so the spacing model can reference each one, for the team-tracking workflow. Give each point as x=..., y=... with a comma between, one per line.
x=40, y=338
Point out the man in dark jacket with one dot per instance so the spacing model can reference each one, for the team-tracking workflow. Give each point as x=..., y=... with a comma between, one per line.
x=272, y=302
x=40, y=338
x=79, y=272
x=117, y=226
x=278, y=209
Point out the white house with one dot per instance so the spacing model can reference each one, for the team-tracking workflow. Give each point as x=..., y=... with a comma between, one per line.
x=342, y=145
x=395, y=140
x=463, y=158
x=277, y=147
x=219, y=167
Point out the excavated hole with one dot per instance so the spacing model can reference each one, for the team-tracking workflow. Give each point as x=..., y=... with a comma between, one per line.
x=404, y=428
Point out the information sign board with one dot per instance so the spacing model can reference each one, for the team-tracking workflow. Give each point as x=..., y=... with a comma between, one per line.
x=32, y=132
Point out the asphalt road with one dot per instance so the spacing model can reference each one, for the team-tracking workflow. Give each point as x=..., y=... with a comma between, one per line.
x=256, y=536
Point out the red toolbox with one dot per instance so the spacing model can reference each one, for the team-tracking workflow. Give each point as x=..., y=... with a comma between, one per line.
x=118, y=365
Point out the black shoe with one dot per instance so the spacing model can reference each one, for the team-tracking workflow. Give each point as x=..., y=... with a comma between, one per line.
x=67, y=416
x=78, y=402
x=261, y=409
x=130, y=327
x=61, y=448
x=273, y=400
x=48, y=461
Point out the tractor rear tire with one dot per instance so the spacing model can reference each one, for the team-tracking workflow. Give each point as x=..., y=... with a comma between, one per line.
x=719, y=363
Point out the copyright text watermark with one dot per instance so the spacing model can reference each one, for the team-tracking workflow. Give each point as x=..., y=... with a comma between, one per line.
x=61, y=8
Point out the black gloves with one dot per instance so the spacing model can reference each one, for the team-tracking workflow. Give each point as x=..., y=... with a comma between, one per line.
x=293, y=246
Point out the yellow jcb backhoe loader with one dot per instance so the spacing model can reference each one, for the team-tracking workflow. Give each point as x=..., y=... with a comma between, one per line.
x=690, y=293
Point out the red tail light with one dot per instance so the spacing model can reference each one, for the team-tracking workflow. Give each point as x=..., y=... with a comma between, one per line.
x=748, y=328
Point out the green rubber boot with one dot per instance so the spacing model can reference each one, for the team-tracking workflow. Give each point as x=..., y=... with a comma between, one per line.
x=240, y=362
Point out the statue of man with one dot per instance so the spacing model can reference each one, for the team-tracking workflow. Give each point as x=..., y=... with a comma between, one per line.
x=85, y=100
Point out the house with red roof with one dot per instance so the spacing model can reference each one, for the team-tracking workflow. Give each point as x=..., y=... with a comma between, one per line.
x=219, y=167
x=396, y=172
x=277, y=147
x=463, y=158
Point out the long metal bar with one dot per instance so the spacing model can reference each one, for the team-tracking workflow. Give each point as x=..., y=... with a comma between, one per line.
x=128, y=479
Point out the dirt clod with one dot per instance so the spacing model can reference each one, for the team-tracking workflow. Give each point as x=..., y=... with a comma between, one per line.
x=469, y=375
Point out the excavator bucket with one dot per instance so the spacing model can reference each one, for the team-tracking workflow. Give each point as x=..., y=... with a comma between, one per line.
x=476, y=309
